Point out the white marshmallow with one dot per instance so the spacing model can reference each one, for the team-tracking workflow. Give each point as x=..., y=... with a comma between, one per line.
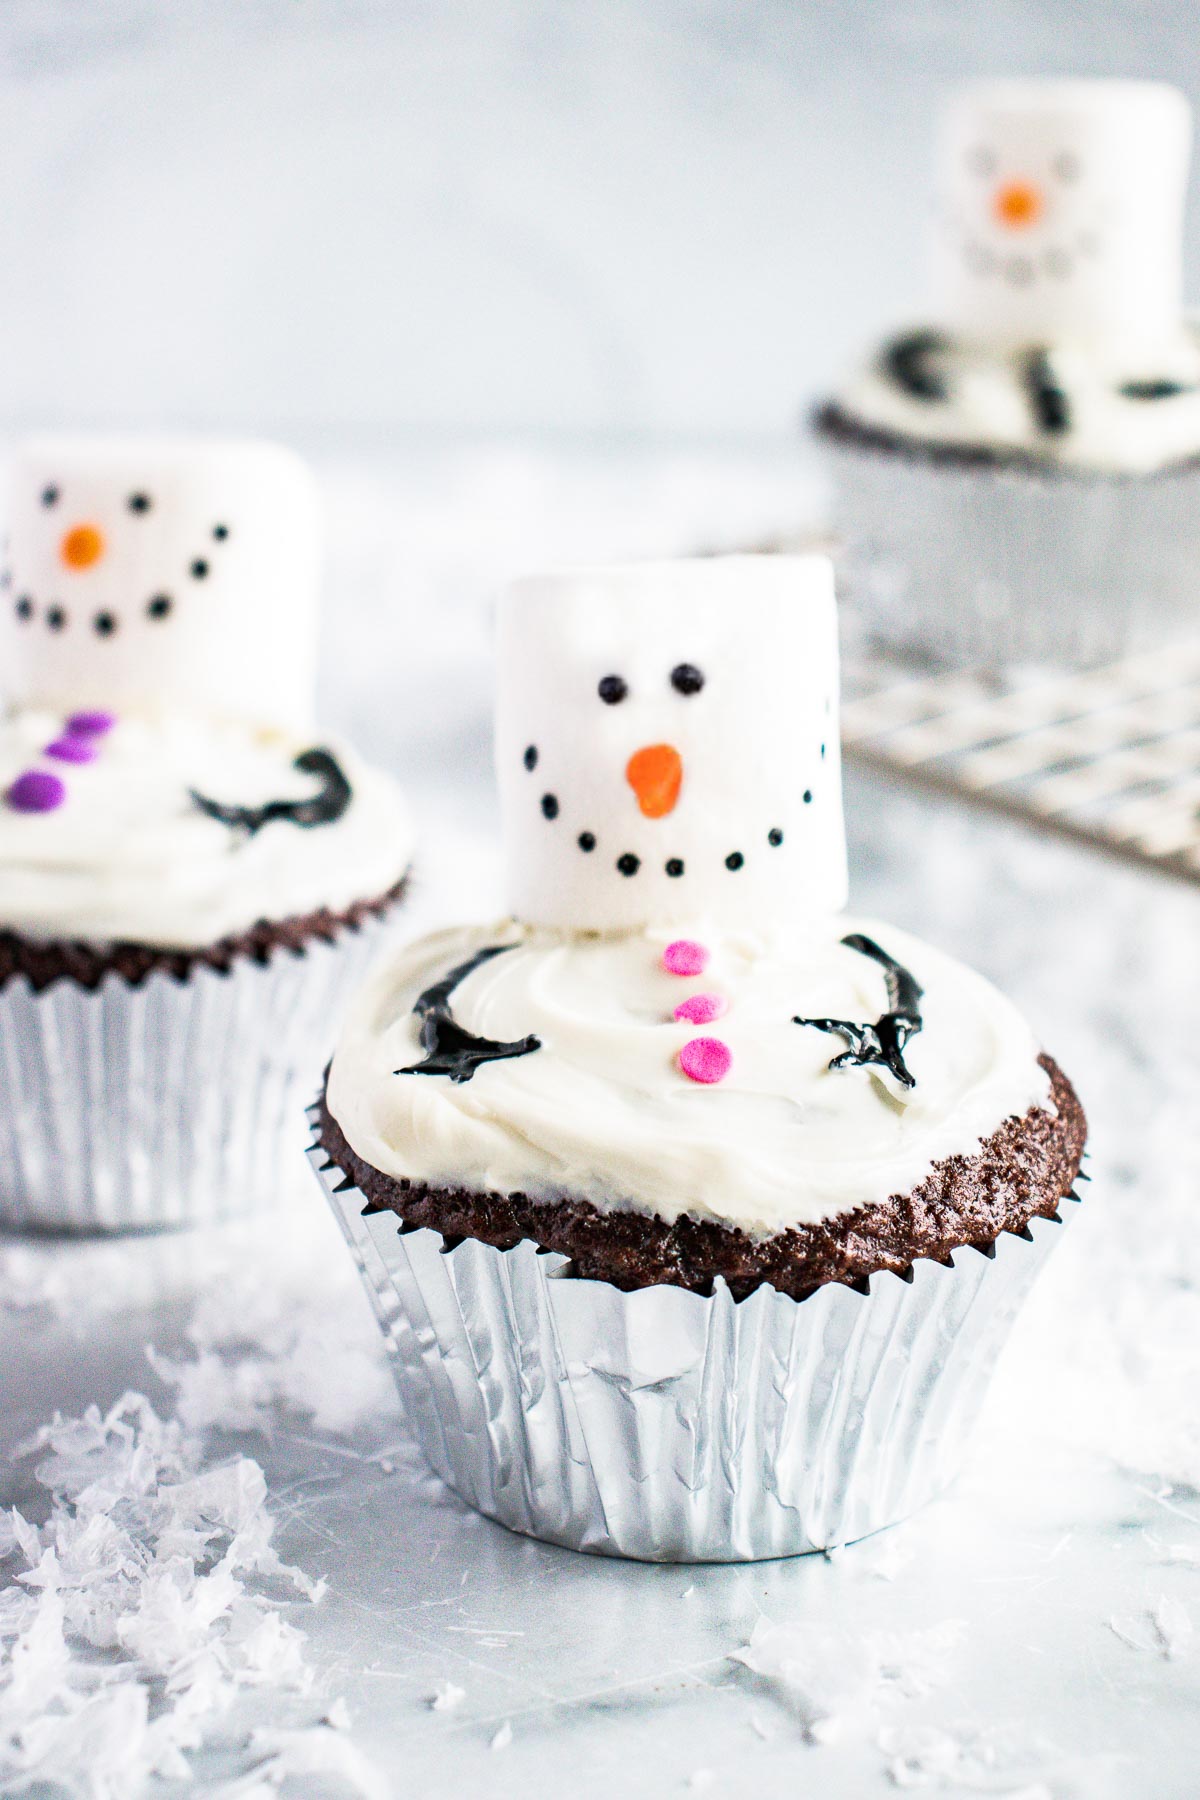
x=1060, y=212
x=156, y=572
x=588, y=787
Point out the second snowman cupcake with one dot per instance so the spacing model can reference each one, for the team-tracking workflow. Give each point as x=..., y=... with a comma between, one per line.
x=1017, y=473
x=695, y=1211
x=190, y=876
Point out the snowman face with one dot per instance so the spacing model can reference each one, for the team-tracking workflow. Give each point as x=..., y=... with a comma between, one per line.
x=1060, y=210
x=667, y=745
x=146, y=574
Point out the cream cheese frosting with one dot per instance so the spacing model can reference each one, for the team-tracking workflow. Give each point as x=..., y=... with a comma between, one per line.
x=129, y=856
x=602, y=1111
x=1117, y=413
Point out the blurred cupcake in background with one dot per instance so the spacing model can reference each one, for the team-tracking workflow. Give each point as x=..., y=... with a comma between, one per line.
x=190, y=877
x=1017, y=477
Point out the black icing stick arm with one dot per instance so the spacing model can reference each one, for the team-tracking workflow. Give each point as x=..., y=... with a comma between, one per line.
x=324, y=807
x=916, y=364
x=882, y=1041
x=449, y=1048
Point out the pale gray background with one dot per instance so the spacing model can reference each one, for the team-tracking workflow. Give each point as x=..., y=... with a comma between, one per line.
x=367, y=216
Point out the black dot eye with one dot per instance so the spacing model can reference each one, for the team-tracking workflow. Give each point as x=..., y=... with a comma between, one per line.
x=160, y=606
x=24, y=608
x=199, y=569
x=734, y=860
x=1066, y=166
x=587, y=840
x=104, y=624
x=49, y=496
x=550, y=806
x=675, y=866
x=612, y=689
x=686, y=678
x=628, y=864
x=56, y=618
x=220, y=532
x=530, y=758
x=138, y=503
x=981, y=161
x=775, y=837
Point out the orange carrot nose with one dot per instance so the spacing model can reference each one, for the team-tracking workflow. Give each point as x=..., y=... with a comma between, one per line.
x=1017, y=204
x=655, y=774
x=82, y=546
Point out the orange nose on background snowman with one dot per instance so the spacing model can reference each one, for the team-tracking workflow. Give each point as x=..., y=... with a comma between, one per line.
x=1017, y=204
x=655, y=773
x=82, y=546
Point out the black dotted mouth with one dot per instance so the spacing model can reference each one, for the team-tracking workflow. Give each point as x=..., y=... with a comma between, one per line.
x=159, y=607
x=56, y=618
x=104, y=624
x=675, y=867
x=530, y=758
x=550, y=806
x=808, y=796
x=199, y=569
x=735, y=860
x=24, y=608
x=775, y=837
x=586, y=840
x=628, y=864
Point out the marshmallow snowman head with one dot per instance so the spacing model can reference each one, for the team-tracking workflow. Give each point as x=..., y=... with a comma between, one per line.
x=1060, y=211
x=667, y=745
x=145, y=573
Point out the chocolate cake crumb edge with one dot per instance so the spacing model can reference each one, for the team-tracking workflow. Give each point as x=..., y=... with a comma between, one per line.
x=86, y=965
x=1023, y=1171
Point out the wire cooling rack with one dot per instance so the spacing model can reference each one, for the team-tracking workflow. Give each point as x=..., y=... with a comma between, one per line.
x=1110, y=756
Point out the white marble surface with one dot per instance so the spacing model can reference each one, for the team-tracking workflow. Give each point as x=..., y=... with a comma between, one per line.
x=1029, y=1636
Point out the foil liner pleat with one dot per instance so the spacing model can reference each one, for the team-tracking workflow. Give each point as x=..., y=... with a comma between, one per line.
x=170, y=1102
x=670, y=1427
x=969, y=565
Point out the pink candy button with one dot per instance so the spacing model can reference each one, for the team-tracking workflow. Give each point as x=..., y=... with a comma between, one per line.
x=73, y=749
x=91, y=724
x=705, y=1059
x=702, y=1009
x=37, y=791
x=685, y=957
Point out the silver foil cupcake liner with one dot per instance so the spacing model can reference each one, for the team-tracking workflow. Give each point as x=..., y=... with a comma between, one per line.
x=669, y=1427
x=170, y=1102
x=995, y=565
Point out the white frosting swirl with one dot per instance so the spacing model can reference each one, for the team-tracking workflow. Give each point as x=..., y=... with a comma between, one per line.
x=987, y=404
x=129, y=856
x=602, y=1111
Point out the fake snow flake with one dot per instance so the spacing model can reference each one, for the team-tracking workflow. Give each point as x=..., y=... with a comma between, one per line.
x=141, y=1608
x=503, y=1737
x=446, y=1697
x=838, y=1683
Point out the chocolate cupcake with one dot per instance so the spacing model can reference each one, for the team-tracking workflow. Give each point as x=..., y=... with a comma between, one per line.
x=1017, y=475
x=695, y=1210
x=190, y=877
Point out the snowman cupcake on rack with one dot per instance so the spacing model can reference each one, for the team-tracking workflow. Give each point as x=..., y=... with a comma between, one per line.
x=753, y=1130
x=1015, y=469
x=188, y=870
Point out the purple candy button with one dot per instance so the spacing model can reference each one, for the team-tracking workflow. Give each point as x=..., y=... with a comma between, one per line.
x=91, y=724
x=73, y=749
x=36, y=791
